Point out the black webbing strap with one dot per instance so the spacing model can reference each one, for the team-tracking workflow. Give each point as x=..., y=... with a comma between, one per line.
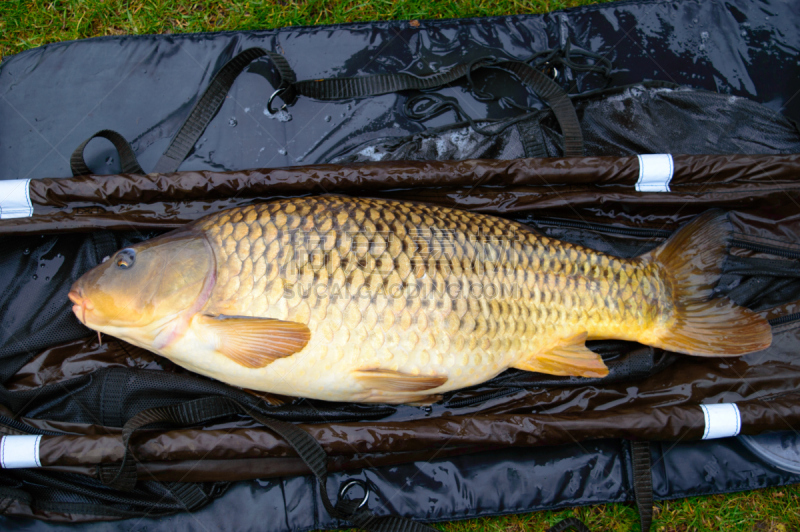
x=201, y=115
x=306, y=447
x=544, y=87
x=209, y=103
x=288, y=88
x=122, y=477
x=189, y=494
x=127, y=159
x=643, y=482
x=377, y=84
x=569, y=523
x=558, y=101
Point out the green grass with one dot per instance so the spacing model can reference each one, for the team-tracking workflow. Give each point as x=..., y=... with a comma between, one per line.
x=27, y=24
x=768, y=510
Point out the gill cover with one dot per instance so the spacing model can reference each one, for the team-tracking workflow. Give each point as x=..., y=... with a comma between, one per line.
x=150, y=281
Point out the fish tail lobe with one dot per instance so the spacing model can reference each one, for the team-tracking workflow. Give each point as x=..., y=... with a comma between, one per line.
x=691, y=260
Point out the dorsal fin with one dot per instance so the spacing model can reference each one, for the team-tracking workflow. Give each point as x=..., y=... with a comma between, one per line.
x=255, y=342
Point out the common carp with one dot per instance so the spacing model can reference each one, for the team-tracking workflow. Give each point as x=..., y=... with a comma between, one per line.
x=369, y=300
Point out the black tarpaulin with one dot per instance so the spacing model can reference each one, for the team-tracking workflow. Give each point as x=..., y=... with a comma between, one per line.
x=54, y=97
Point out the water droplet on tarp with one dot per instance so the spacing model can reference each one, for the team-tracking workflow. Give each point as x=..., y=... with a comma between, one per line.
x=232, y=122
x=26, y=252
x=281, y=115
x=282, y=151
x=327, y=118
x=35, y=276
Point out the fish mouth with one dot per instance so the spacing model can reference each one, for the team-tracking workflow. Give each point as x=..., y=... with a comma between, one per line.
x=81, y=304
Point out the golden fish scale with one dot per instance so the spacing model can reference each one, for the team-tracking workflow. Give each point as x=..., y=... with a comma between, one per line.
x=420, y=289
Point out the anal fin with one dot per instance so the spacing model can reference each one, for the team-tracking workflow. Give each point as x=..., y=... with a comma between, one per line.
x=569, y=357
x=255, y=342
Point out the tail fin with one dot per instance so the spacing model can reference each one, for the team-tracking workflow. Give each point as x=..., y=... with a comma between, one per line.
x=692, y=260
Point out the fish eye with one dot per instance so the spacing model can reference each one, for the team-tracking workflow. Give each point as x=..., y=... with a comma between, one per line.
x=125, y=258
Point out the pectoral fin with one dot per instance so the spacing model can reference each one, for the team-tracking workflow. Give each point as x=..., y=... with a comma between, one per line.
x=569, y=357
x=395, y=381
x=255, y=342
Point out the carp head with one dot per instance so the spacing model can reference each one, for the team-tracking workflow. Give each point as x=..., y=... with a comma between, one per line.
x=147, y=294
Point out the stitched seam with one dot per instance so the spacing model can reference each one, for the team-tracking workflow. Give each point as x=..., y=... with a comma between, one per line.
x=641, y=173
x=28, y=196
x=671, y=172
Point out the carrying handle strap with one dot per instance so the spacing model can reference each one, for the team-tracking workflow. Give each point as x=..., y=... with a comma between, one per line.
x=307, y=448
x=288, y=88
x=643, y=482
x=201, y=115
x=209, y=103
x=127, y=158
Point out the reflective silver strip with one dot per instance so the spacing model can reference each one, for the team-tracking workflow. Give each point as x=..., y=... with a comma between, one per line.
x=15, y=199
x=722, y=420
x=19, y=451
x=655, y=172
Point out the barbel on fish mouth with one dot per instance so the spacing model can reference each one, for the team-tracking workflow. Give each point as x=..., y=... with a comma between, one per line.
x=368, y=300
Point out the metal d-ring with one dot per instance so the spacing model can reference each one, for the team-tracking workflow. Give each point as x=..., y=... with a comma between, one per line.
x=355, y=482
x=553, y=70
x=275, y=94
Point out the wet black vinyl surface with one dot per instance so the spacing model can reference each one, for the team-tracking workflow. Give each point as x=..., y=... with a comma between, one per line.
x=508, y=481
x=54, y=97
